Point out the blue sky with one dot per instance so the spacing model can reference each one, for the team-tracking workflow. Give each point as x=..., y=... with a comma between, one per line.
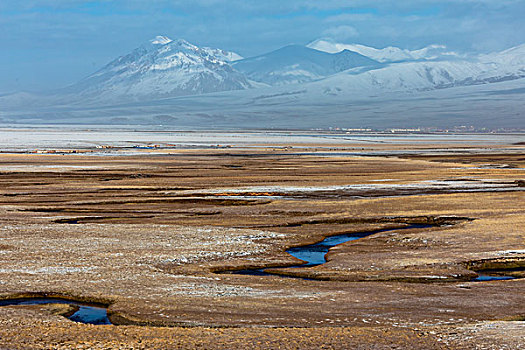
x=47, y=44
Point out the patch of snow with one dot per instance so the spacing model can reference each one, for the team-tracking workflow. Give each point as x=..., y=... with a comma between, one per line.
x=507, y=252
x=50, y=270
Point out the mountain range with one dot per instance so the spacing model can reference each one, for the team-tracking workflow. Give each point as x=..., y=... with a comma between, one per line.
x=326, y=74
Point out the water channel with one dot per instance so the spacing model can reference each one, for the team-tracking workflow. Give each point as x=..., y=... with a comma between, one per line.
x=86, y=313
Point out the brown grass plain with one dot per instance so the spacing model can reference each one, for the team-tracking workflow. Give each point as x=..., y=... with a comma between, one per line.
x=148, y=233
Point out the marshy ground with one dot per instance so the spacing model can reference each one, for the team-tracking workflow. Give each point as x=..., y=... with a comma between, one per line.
x=152, y=233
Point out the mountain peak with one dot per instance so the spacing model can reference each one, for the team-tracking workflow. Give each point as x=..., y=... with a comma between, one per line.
x=160, y=40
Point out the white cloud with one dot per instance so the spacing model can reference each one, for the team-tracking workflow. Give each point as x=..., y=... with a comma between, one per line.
x=343, y=32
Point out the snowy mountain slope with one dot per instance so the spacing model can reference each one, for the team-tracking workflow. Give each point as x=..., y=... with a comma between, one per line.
x=162, y=68
x=387, y=54
x=509, y=62
x=223, y=55
x=298, y=64
x=417, y=76
x=428, y=75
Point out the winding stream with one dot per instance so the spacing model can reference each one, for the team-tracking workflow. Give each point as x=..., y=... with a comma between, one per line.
x=315, y=254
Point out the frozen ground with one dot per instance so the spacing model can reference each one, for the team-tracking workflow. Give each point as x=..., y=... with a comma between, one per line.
x=74, y=137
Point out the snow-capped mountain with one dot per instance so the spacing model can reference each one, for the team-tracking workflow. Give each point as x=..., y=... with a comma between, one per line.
x=162, y=68
x=387, y=54
x=298, y=64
